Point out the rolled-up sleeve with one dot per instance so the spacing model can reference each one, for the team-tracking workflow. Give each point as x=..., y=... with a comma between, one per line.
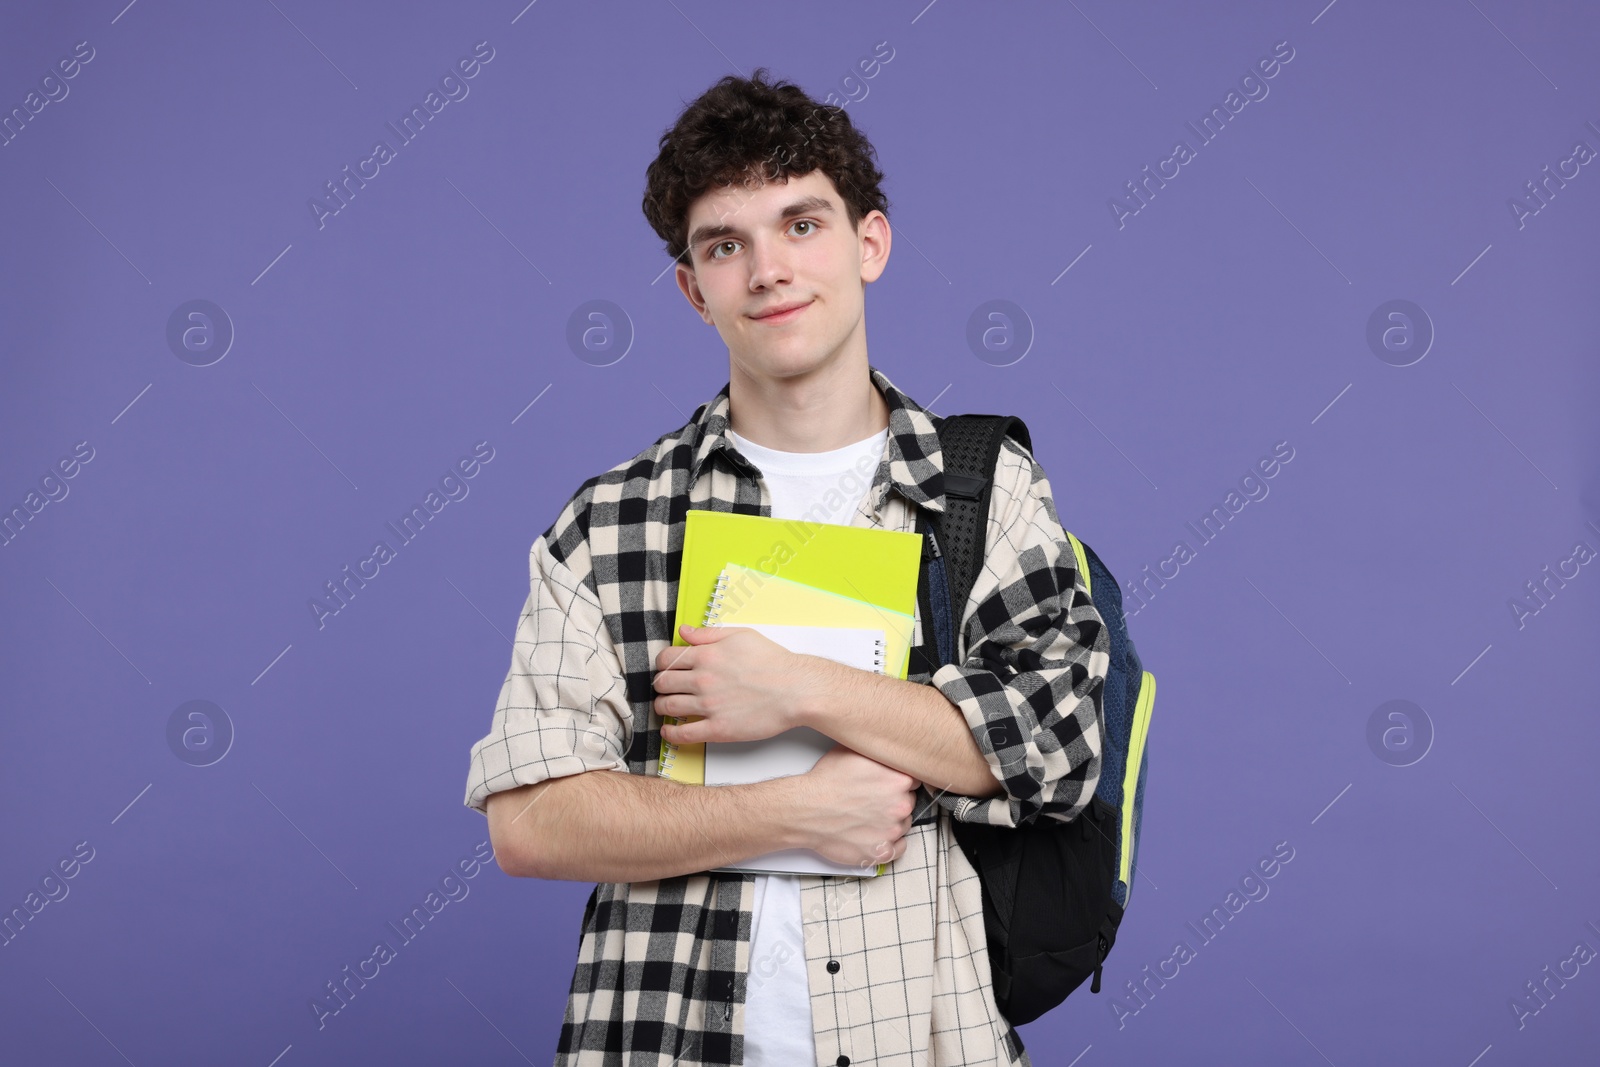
x=562, y=708
x=1036, y=658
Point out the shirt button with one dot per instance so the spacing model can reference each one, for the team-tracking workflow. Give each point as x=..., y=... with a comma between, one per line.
x=833, y=968
x=843, y=1061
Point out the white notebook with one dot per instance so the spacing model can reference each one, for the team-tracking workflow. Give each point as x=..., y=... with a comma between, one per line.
x=797, y=750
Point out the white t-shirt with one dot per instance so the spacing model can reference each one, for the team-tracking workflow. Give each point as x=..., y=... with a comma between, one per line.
x=816, y=487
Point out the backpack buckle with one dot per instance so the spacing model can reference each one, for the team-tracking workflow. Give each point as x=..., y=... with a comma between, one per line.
x=964, y=486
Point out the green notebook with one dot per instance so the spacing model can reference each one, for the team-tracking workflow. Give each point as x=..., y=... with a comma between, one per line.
x=865, y=562
x=854, y=565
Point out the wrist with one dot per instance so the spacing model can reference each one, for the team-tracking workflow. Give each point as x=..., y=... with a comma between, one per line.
x=790, y=805
x=813, y=700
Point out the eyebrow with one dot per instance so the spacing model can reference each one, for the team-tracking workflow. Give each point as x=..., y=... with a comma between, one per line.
x=809, y=205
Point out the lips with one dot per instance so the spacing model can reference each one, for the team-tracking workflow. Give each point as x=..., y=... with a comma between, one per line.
x=781, y=313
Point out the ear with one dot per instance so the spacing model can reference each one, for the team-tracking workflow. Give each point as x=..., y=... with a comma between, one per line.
x=689, y=285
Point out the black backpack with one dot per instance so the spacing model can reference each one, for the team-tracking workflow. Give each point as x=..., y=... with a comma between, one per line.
x=1054, y=892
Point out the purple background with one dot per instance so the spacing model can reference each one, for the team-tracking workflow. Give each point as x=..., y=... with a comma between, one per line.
x=370, y=354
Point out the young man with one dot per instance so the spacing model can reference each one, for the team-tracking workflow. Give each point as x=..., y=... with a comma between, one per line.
x=771, y=206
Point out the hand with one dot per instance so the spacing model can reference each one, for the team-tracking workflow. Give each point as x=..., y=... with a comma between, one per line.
x=858, y=810
x=742, y=684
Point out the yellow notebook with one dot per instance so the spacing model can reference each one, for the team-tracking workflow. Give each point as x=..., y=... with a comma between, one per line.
x=744, y=595
x=792, y=572
x=861, y=562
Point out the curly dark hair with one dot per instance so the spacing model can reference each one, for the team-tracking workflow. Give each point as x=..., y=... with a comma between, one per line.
x=746, y=131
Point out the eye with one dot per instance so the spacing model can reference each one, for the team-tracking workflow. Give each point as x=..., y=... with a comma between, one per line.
x=811, y=225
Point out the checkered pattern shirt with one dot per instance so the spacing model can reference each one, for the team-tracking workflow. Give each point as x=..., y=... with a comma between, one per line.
x=662, y=965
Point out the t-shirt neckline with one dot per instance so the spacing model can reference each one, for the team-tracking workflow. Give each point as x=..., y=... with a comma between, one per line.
x=829, y=462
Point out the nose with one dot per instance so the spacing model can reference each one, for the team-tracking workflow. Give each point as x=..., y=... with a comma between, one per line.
x=769, y=264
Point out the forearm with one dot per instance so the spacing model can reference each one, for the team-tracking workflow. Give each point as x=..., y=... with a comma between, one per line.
x=910, y=727
x=608, y=826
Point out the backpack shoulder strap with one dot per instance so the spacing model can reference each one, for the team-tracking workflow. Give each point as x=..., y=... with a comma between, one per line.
x=971, y=447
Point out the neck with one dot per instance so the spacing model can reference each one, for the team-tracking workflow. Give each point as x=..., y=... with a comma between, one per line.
x=828, y=407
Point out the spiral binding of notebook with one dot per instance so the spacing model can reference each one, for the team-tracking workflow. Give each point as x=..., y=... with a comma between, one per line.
x=714, y=608
x=667, y=760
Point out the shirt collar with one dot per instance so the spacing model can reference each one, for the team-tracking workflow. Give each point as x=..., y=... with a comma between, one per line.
x=912, y=462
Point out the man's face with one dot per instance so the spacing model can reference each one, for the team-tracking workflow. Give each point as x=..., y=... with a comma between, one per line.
x=754, y=250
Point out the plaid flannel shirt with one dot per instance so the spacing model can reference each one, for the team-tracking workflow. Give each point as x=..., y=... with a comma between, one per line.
x=662, y=966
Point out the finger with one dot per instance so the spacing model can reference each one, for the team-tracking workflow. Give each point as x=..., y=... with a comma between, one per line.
x=675, y=657
x=673, y=682
x=703, y=634
x=673, y=704
x=689, y=733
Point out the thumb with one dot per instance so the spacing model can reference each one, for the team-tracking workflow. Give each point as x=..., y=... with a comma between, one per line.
x=697, y=635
